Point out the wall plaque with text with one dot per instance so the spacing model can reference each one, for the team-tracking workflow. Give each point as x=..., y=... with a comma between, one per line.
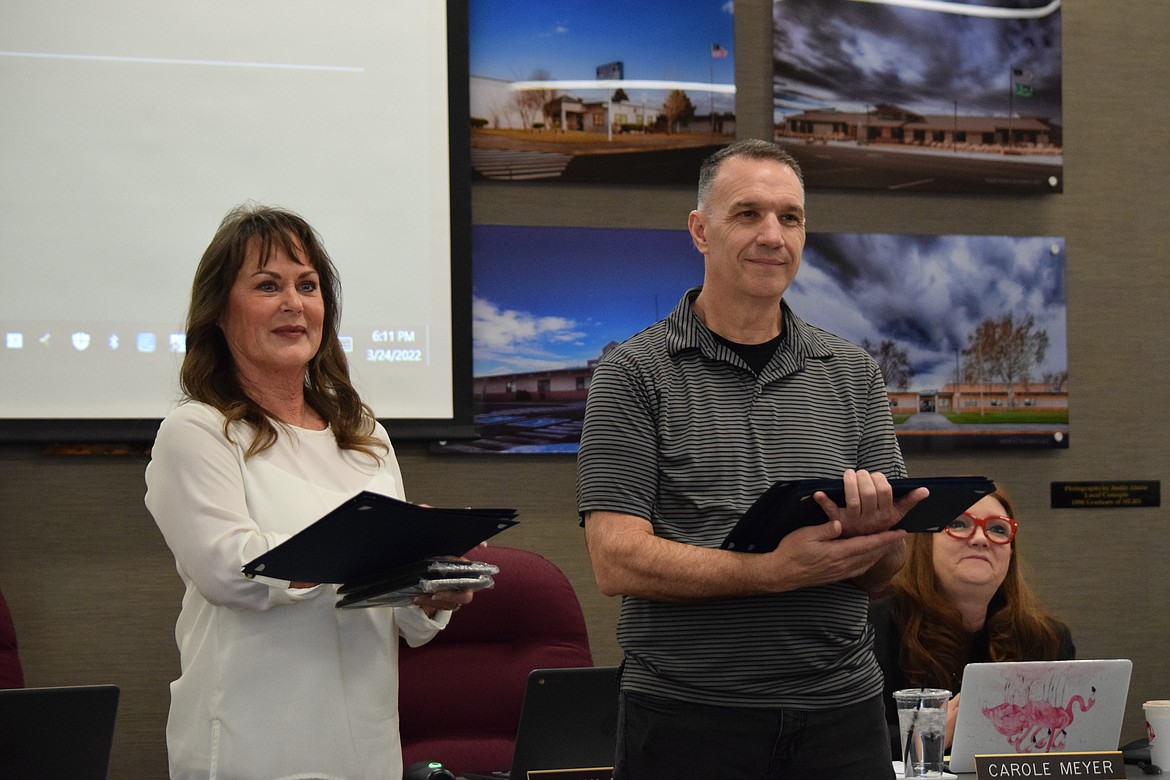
x=1124, y=493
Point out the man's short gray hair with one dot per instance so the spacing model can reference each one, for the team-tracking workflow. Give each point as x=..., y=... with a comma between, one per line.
x=752, y=148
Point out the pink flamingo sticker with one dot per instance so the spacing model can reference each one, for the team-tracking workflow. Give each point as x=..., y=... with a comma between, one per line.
x=1037, y=725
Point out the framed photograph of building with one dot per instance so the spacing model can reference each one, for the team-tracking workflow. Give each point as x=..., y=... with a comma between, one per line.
x=970, y=331
x=565, y=91
x=921, y=95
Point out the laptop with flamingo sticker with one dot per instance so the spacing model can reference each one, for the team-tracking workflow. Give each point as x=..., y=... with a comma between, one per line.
x=1039, y=707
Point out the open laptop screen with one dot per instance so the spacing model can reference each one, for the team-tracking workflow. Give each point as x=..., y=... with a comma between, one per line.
x=568, y=721
x=1039, y=707
x=54, y=733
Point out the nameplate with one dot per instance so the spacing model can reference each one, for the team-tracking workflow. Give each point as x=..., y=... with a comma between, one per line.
x=1125, y=493
x=594, y=773
x=1106, y=765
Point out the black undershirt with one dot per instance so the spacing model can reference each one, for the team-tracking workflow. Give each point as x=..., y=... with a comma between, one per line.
x=755, y=355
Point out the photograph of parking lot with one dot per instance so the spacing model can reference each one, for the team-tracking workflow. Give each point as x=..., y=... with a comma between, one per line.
x=564, y=91
x=921, y=95
x=970, y=331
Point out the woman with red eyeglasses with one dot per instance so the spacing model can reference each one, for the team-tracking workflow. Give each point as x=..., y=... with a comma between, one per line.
x=961, y=598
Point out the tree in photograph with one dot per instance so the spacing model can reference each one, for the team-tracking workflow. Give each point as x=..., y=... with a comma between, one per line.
x=677, y=108
x=1056, y=380
x=894, y=362
x=1006, y=350
x=530, y=103
x=620, y=96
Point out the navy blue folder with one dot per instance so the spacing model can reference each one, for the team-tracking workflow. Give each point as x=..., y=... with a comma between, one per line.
x=789, y=505
x=371, y=533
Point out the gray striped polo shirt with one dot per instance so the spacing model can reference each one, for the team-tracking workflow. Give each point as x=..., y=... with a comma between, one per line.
x=679, y=431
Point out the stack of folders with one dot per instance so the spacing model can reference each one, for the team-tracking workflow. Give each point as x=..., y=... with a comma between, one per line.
x=385, y=552
x=399, y=587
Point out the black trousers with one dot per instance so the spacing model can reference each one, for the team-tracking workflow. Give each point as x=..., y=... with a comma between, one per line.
x=664, y=739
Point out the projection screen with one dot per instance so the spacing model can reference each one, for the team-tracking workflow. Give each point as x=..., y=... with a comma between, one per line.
x=130, y=128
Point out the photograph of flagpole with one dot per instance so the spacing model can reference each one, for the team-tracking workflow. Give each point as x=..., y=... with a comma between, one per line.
x=909, y=94
x=630, y=93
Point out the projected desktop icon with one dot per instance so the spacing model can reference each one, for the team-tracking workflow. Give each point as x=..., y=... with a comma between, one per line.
x=113, y=341
x=14, y=340
x=178, y=343
x=147, y=342
x=346, y=343
x=80, y=341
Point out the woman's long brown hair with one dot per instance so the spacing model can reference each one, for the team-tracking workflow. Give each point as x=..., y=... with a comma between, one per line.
x=209, y=371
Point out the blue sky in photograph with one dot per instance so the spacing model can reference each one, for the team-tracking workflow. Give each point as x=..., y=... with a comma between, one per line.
x=928, y=294
x=655, y=39
x=846, y=54
x=546, y=298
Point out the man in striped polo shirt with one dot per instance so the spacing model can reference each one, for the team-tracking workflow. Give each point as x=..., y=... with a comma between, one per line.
x=741, y=665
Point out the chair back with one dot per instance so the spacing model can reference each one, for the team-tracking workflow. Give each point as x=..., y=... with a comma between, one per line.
x=460, y=694
x=11, y=673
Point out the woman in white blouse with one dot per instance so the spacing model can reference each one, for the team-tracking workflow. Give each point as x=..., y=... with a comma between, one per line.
x=275, y=681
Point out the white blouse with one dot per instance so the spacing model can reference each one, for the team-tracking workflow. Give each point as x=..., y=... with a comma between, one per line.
x=274, y=682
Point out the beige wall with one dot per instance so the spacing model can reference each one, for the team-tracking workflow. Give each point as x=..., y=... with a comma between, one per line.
x=93, y=588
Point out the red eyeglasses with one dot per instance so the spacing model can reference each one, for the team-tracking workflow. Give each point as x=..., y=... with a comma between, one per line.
x=997, y=528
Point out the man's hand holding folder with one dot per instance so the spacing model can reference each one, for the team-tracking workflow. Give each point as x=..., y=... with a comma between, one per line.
x=792, y=504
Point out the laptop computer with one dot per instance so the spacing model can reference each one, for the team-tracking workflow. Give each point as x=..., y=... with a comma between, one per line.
x=568, y=721
x=51, y=733
x=1039, y=707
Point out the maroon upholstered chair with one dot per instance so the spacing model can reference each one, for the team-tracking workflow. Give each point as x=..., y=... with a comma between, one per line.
x=11, y=674
x=460, y=694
